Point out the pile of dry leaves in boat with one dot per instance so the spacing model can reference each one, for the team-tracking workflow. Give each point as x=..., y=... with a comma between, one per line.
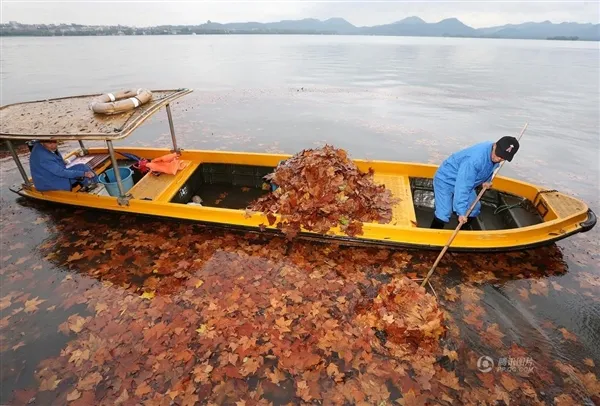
x=322, y=188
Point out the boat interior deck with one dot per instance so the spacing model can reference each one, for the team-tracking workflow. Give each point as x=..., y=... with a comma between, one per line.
x=234, y=186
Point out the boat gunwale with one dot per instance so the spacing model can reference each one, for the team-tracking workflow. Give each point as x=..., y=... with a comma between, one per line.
x=130, y=126
x=584, y=226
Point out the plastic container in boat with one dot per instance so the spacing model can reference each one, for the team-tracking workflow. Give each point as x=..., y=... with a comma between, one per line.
x=110, y=183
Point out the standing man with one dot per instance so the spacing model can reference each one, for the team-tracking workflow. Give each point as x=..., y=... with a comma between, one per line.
x=49, y=171
x=457, y=177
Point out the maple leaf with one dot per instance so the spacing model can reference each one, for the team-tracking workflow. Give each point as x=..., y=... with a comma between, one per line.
x=524, y=293
x=89, y=382
x=74, y=395
x=75, y=256
x=303, y=391
x=78, y=356
x=568, y=335
x=493, y=336
x=295, y=296
x=333, y=371
x=5, y=302
x=452, y=355
x=449, y=379
x=202, y=373
x=251, y=365
x=32, y=305
x=39, y=220
x=283, y=325
x=539, y=288
x=100, y=307
x=276, y=376
x=143, y=389
x=148, y=295
x=509, y=383
x=19, y=345
x=451, y=294
x=76, y=323
x=49, y=384
x=123, y=397
x=22, y=260
x=564, y=400
x=189, y=399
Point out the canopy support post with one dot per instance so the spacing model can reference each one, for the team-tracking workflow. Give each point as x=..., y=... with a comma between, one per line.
x=83, y=149
x=172, y=128
x=18, y=162
x=123, y=200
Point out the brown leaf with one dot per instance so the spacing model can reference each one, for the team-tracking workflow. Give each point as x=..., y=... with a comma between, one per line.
x=49, y=384
x=589, y=362
x=276, y=376
x=143, y=389
x=75, y=256
x=493, y=336
x=509, y=383
x=250, y=366
x=17, y=346
x=564, y=400
x=451, y=294
x=568, y=335
x=32, y=305
x=124, y=396
x=73, y=395
x=89, y=382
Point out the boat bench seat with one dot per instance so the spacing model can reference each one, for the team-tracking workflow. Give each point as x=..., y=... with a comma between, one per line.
x=403, y=213
x=151, y=186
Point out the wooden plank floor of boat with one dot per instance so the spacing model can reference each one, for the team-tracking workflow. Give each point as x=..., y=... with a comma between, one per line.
x=563, y=205
x=152, y=187
x=403, y=213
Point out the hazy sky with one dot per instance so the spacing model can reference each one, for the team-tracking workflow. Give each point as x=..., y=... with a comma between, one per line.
x=145, y=13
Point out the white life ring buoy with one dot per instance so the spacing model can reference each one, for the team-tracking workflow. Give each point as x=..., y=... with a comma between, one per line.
x=125, y=100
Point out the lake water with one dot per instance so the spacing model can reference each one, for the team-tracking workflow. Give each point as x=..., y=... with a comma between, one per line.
x=392, y=98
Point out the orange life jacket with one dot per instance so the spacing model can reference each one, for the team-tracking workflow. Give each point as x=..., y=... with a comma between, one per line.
x=169, y=163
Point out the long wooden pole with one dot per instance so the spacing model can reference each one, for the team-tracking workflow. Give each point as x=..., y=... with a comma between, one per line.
x=455, y=233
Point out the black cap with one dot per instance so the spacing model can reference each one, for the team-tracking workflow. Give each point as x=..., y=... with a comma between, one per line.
x=507, y=147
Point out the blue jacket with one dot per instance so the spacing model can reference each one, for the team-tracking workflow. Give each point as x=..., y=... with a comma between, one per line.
x=49, y=171
x=463, y=171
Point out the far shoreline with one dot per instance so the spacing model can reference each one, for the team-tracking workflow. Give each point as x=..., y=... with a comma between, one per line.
x=221, y=34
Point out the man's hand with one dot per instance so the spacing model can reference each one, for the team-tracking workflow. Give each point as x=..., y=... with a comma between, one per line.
x=487, y=185
x=89, y=174
x=462, y=219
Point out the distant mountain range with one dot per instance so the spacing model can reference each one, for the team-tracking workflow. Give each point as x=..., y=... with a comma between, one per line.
x=410, y=26
x=415, y=26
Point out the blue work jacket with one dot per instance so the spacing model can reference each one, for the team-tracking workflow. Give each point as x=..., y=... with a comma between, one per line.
x=49, y=171
x=463, y=171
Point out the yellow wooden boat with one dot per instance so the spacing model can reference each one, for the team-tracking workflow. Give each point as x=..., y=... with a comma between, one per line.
x=515, y=214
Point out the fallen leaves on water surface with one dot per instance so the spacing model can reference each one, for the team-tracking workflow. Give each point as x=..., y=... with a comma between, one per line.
x=172, y=313
x=319, y=189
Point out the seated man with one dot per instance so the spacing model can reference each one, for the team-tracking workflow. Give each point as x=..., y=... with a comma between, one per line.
x=49, y=171
x=457, y=177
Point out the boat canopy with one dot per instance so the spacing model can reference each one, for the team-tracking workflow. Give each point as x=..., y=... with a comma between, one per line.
x=70, y=118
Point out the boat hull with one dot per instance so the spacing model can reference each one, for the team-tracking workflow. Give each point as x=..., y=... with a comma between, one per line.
x=561, y=215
